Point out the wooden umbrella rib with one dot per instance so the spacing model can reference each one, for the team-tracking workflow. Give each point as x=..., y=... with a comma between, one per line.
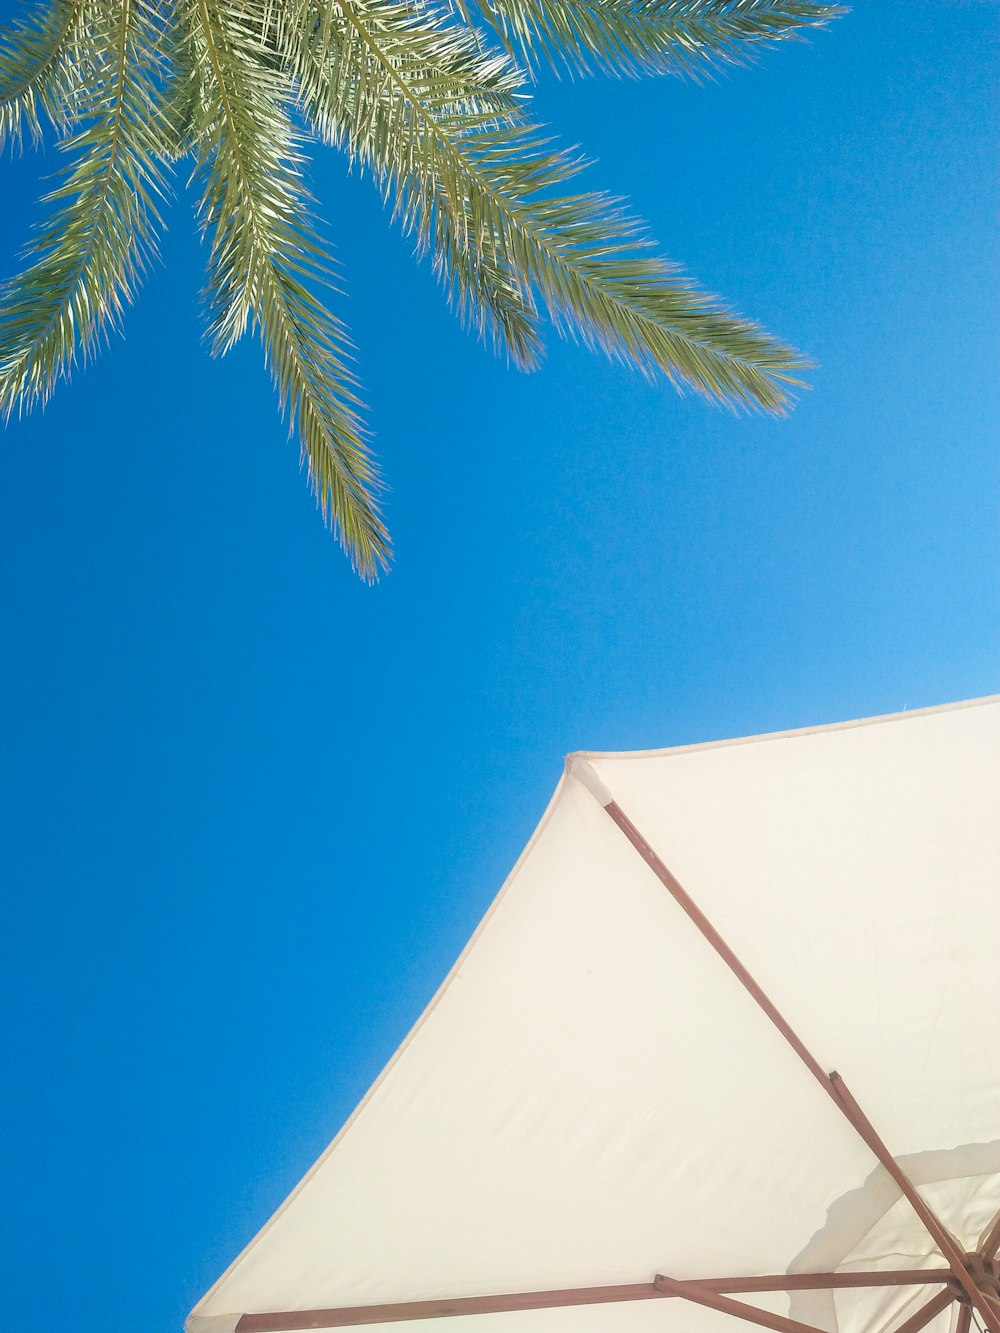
x=831, y=1084
x=927, y=1312
x=990, y=1243
x=358, y=1315
x=701, y=921
x=964, y=1320
x=750, y=1314
x=986, y=1271
x=947, y=1244
x=878, y=1277
x=664, y=1287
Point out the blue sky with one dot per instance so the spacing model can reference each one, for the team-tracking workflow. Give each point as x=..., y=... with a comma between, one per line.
x=252, y=808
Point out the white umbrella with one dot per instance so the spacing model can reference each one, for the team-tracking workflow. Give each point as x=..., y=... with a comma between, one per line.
x=620, y=1111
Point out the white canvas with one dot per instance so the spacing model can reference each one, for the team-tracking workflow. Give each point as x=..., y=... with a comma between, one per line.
x=592, y=1098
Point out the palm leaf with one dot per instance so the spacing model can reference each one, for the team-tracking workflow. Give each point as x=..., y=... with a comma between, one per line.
x=265, y=257
x=90, y=253
x=412, y=93
x=44, y=64
x=504, y=184
x=685, y=37
x=367, y=79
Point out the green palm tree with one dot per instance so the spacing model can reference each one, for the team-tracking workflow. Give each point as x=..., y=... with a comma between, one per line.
x=429, y=98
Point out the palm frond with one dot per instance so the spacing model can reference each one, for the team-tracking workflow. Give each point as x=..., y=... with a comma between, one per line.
x=368, y=78
x=590, y=261
x=684, y=37
x=412, y=92
x=90, y=253
x=43, y=66
x=180, y=91
x=264, y=258
x=581, y=254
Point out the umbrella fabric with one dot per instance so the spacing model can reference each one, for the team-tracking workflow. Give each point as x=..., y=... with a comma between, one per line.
x=593, y=1098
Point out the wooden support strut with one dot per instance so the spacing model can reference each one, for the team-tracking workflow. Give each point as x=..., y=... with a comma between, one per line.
x=930, y=1310
x=986, y=1272
x=833, y=1085
x=358, y=1315
x=751, y=1314
x=990, y=1242
x=945, y=1242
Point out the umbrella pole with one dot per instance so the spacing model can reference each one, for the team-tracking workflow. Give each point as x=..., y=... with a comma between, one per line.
x=832, y=1084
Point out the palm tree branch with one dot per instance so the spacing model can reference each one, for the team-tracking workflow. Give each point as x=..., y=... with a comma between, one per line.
x=384, y=133
x=41, y=67
x=682, y=37
x=93, y=249
x=584, y=255
x=262, y=246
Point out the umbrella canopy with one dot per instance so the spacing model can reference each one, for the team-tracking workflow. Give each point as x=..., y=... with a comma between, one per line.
x=724, y=1053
